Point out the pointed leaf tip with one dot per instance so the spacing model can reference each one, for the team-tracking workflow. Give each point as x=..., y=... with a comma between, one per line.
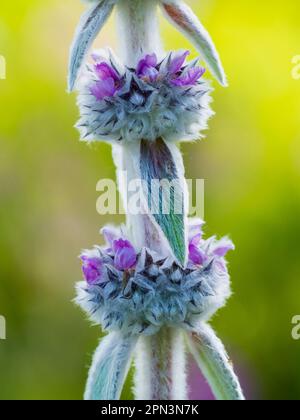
x=89, y=26
x=183, y=18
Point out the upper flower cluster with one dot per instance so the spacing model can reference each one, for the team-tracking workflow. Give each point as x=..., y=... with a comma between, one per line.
x=139, y=292
x=149, y=70
x=166, y=99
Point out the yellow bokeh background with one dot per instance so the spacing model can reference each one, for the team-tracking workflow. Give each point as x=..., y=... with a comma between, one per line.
x=250, y=162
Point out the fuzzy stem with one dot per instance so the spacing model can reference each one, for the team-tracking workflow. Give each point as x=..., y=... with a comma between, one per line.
x=160, y=359
x=160, y=367
x=138, y=29
x=139, y=34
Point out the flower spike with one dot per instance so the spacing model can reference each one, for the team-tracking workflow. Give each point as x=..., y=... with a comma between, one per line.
x=157, y=281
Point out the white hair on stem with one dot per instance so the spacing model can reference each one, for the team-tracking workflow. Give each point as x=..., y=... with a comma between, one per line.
x=160, y=367
x=138, y=30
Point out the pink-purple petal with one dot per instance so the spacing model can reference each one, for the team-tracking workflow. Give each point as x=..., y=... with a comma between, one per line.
x=103, y=89
x=190, y=78
x=105, y=71
x=177, y=61
x=196, y=255
x=150, y=73
x=147, y=67
x=147, y=61
x=92, y=269
x=125, y=255
x=196, y=239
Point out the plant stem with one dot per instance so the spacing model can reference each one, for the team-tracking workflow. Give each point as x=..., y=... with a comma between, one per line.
x=139, y=34
x=160, y=359
x=138, y=29
x=160, y=367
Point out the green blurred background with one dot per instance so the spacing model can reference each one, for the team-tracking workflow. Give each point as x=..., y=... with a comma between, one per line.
x=250, y=161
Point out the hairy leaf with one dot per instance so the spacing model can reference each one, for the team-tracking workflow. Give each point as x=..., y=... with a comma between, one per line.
x=110, y=367
x=182, y=16
x=89, y=26
x=164, y=188
x=214, y=363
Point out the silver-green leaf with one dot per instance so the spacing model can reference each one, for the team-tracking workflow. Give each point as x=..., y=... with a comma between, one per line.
x=110, y=367
x=165, y=191
x=211, y=356
x=183, y=18
x=89, y=26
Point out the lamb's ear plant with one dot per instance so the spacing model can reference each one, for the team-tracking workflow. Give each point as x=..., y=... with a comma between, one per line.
x=157, y=282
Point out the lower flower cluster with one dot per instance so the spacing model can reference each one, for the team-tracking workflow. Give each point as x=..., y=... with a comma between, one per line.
x=140, y=292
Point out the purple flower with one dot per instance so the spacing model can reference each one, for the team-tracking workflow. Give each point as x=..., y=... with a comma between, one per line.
x=103, y=89
x=179, y=78
x=177, y=61
x=125, y=255
x=146, y=68
x=105, y=71
x=196, y=255
x=190, y=78
x=108, y=83
x=92, y=268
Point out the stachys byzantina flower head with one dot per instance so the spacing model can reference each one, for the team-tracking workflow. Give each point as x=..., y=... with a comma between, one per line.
x=141, y=291
x=168, y=99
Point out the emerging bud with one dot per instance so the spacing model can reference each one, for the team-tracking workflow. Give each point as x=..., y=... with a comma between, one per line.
x=108, y=82
x=147, y=68
x=125, y=255
x=198, y=254
x=92, y=268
